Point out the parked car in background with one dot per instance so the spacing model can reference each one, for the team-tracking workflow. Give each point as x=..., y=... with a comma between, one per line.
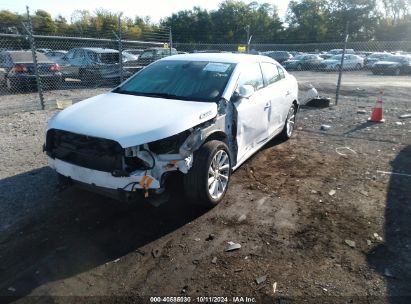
x=201, y=115
x=92, y=65
x=135, y=52
x=334, y=52
x=279, y=56
x=149, y=55
x=351, y=62
x=374, y=57
x=394, y=65
x=17, y=70
x=43, y=50
x=303, y=62
x=129, y=57
x=56, y=56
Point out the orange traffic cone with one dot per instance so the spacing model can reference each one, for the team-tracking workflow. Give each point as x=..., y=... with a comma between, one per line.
x=376, y=115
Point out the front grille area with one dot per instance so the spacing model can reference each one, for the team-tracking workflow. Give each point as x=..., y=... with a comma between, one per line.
x=85, y=151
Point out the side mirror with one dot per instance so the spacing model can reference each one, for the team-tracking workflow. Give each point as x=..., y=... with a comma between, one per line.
x=244, y=91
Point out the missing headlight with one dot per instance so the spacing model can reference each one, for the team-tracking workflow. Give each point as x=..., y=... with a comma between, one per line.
x=170, y=144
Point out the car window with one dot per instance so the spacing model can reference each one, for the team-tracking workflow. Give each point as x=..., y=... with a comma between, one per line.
x=270, y=72
x=281, y=72
x=251, y=75
x=147, y=54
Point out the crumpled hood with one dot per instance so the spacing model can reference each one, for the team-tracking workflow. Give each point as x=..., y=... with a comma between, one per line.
x=132, y=120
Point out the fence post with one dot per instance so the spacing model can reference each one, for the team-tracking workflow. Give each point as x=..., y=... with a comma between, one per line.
x=337, y=93
x=170, y=40
x=120, y=48
x=29, y=30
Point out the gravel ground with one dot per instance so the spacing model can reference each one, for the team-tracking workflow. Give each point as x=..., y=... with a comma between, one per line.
x=315, y=219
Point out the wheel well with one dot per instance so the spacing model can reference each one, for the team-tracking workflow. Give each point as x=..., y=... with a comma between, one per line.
x=218, y=135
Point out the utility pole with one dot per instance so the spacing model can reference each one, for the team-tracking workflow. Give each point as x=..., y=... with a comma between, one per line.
x=337, y=93
x=120, y=48
x=29, y=29
x=170, y=40
x=248, y=38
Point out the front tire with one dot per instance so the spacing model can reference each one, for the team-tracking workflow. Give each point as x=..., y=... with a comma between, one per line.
x=289, y=125
x=207, y=181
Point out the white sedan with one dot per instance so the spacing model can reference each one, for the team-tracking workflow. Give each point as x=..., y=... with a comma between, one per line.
x=201, y=115
x=351, y=62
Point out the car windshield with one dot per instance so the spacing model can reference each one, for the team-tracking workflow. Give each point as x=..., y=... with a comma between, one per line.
x=377, y=56
x=337, y=57
x=180, y=79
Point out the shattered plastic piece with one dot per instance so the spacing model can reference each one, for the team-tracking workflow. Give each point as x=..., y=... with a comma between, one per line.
x=232, y=246
x=214, y=260
x=261, y=279
x=274, y=287
x=325, y=127
x=344, y=148
x=361, y=112
x=242, y=218
x=377, y=237
x=405, y=116
x=197, y=239
x=332, y=192
x=116, y=260
x=12, y=289
x=350, y=243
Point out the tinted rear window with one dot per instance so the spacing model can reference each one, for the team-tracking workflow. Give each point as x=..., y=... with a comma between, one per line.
x=109, y=58
x=26, y=57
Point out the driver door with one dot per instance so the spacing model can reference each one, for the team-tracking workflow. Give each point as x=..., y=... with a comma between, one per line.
x=252, y=112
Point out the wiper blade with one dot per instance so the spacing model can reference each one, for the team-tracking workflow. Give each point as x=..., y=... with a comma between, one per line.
x=164, y=95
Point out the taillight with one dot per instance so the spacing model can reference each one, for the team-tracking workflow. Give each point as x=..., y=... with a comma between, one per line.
x=18, y=68
x=55, y=68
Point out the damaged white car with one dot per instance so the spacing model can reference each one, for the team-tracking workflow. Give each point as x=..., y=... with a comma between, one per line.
x=201, y=115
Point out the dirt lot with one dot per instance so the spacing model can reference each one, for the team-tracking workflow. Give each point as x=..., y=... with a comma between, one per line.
x=317, y=219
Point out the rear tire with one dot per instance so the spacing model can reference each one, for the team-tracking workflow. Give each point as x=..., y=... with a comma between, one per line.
x=289, y=125
x=207, y=181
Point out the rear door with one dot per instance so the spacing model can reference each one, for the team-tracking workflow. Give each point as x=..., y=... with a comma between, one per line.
x=278, y=94
x=252, y=113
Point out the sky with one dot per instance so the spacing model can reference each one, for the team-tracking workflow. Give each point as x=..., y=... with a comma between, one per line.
x=156, y=9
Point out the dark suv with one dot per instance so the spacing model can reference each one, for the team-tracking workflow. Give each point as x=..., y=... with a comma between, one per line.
x=279, y=56
x=92, y=64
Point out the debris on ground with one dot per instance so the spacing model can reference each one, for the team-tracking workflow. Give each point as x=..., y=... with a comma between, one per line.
x=210, y=237
x=361, y=112
x=388, y=273
x=196, y=262
x=214, y=260
x=377, y=237
x=332, y=192
x=197, y=239
x=232, y=246
x=319, y=102
x=242, y=218
x=325, y=127
x=156, y=253
x=261, y=279
x=344, y=148
x=350, y=243
x=116, y=260
x=405, y=116
x=274, y=287
x=399, y=123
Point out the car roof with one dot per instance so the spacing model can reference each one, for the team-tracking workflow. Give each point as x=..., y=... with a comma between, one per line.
x=98, y=50
x=220, y=57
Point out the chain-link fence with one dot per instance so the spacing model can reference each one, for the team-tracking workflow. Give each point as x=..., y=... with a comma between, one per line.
x=38, y=71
